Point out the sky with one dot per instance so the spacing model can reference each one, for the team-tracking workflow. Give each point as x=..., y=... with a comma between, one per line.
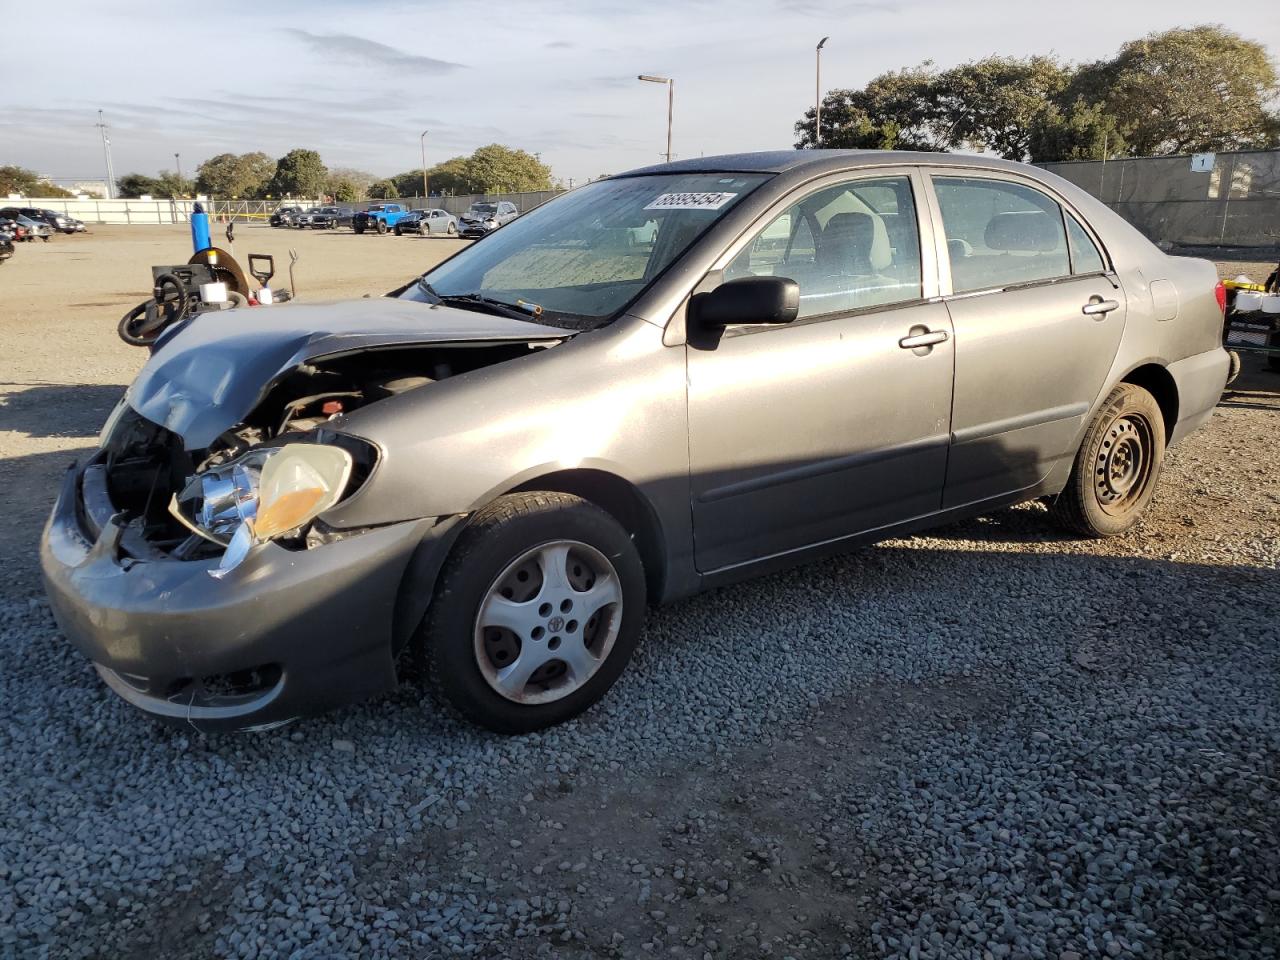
x=360, y=80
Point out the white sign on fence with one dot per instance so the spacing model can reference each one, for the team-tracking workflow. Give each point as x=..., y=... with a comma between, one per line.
x=1202, y=162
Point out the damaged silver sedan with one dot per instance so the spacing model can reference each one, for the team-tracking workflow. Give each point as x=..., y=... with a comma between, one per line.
x=658, y=383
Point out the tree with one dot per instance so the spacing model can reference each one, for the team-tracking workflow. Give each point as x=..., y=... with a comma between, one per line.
x=1204, y=88
x=1191, y=90
x=384, y=190
x=996, y=103
x=27, y=183
x=245, y=175
x=133, y=185
x=345, y=191
x=351, y=183
x=895, y=111
x=1080, y=131
x=299, y=173
x=499, y=169
x=451, y=176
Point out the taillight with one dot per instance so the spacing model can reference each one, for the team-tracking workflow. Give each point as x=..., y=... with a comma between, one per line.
x=1220, y=292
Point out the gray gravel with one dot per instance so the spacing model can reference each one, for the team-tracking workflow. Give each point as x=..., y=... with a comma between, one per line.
x=990, y=742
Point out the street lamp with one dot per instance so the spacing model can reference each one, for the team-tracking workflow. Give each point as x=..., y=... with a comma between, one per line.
x=671, y=103
x=817, y=84
x=106, y=151
x=177, y=161
x=422, y=140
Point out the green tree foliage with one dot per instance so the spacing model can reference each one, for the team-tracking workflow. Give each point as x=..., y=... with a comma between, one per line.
x=345, y=191
x=245, y=175
x=165, y=186
x=1203, y=88
x=133, y=185
x=491, y=169
x=28, y=183
x=385, y=190
x=1185, y=91
x=299, y=173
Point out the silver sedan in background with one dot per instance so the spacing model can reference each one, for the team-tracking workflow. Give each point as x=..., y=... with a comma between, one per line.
x=661, y=382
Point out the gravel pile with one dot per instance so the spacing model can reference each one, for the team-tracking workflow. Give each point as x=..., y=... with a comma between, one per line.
x=985, y=743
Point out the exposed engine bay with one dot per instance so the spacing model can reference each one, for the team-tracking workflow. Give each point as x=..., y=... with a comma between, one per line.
x=277, y=469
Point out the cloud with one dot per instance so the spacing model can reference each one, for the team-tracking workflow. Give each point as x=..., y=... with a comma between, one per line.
x=560, y=45
x=818, y=8
x=350, y=47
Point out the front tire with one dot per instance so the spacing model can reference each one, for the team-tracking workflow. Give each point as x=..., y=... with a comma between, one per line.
x=1116, y=469
x=536, y=613
x=381, y=226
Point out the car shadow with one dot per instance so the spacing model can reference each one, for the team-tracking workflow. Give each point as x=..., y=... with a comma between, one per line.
x=46, y=409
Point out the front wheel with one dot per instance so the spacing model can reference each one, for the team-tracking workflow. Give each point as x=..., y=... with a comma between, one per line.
x=1116, y=468
x=381, y=226
x=358, y=229
x=398, y=231
x=536, y=612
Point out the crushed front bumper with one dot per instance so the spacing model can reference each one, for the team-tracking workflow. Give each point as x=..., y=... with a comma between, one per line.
x=285, y=634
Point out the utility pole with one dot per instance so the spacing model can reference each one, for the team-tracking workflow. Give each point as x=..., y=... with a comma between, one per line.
x=817, y=85
x=671, y=103
x=106, y=151
x=422, y=140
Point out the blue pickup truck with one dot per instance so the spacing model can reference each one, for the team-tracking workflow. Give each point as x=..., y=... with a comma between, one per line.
x=380, y=217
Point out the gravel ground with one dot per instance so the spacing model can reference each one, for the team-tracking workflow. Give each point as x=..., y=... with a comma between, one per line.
x=991, y=741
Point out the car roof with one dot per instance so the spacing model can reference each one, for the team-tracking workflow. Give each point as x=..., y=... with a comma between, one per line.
x=783, y=161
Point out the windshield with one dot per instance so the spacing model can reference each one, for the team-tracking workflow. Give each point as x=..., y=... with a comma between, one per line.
x=482, y=208
x=583, y=257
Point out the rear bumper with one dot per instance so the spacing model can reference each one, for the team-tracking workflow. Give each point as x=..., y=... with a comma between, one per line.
x=1200, y=380
x=286, y=634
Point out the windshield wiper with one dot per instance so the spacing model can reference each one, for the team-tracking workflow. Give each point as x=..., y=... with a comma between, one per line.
x=516, y=311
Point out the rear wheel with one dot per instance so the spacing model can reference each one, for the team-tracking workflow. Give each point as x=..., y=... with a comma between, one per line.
x=1116, y=468
x=1233, y=367
x=536, y=613
x=453, y=229
x=1273, y=359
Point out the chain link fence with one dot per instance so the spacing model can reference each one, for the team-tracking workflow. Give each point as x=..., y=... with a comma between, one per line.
x=1231, y=200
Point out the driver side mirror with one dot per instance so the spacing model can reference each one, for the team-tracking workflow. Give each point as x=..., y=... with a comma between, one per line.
x=753, y=300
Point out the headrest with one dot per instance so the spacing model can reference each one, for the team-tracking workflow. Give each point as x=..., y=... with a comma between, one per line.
x=863, y=235
x=1032, y=231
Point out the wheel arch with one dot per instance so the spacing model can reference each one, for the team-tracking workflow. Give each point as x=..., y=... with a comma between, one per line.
x=622, y=500
x=1155, y=378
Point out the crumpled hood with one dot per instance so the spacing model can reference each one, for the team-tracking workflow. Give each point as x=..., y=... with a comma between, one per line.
x=208, y=373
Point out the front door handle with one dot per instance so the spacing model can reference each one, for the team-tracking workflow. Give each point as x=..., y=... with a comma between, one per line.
x=1097, y=307
x=926, y=338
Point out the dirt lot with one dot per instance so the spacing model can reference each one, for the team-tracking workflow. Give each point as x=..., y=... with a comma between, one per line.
x=992, y=741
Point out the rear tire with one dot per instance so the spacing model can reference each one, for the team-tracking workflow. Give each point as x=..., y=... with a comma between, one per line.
x=1233, y=368
x=503, y=567
x=1116, y=469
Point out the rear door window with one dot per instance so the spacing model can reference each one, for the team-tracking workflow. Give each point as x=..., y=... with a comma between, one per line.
x=1000, y=233
x=1085, y=255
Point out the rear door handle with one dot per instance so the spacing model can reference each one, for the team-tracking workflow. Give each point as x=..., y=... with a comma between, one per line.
x=1097, y=307
x=926, y=339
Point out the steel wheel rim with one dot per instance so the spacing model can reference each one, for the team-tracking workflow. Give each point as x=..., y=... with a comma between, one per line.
x=1122, y=468
x=548, y=622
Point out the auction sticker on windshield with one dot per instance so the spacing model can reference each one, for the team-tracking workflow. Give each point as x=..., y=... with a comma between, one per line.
x=691, y=201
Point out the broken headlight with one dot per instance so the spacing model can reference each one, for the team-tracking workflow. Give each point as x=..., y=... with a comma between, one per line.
x=263, y=495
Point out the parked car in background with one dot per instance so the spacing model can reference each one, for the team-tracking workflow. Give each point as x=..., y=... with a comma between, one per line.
x=330, y=218
x=501, y=463
x=285, y=216
x=74, y=226
x=59, y=222
x=33, y=228
x=15, y=231
x=6, y=243
x=428, y=223
x=379, y=218
x=481, y=218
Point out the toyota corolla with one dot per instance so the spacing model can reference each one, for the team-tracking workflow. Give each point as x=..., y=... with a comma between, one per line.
x=663, y=381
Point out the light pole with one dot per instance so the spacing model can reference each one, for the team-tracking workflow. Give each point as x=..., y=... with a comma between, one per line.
x=106, y=152
x=422, y=141
x=671, y=103
x=817, y=85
